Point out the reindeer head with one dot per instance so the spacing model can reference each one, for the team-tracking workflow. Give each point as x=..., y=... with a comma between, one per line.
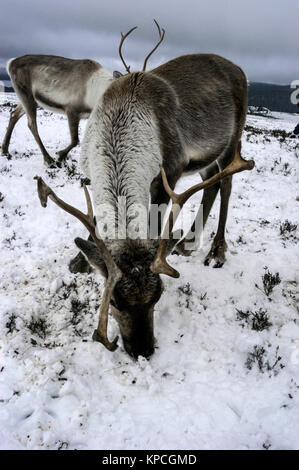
x=135, y=294
x=131, y=288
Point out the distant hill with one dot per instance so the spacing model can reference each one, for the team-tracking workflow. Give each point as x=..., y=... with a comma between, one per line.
x=8, y=87
x=268, y=95
x=273, y=97
x=4, y=77
x=3, y=74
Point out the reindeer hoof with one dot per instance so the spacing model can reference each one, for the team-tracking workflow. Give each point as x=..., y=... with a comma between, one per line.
x=61, y=156
x=49, y=161
x=218, y=264
x=217, y=252
x=5, y=153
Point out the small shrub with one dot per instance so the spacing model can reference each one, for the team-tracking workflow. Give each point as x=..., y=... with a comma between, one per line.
x=77, y=307
x=8, y=242
x=67, y=289
x=19, y=212
x=71, y=169
x=241, y=241
x=266, y=445
x=38, y=327
x=186, y=289
x=270, y=281
x=256, y=357
x=11, y=323
x=259, y=357
x=286, y=169
x=5, y=170
x=258, y=320
x=286, y=229
x=62, y=445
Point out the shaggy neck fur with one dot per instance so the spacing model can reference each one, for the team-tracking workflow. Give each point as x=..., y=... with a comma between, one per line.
x=121, y=156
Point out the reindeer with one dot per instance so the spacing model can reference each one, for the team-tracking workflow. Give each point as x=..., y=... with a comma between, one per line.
x=59, y=84
x=145, y=132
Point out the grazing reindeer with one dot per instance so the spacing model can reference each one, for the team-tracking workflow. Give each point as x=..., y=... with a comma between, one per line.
x=147, y=129
x=61, y=85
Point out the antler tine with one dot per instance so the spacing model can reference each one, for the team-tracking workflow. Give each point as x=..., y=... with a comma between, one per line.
x=158, y=26
x=160, y=265
x=161, y=37
x=123, y=37
x=100, y=334
x=88, y=202
x=114, y=273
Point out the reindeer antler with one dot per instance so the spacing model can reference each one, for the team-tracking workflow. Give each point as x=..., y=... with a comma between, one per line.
x=114, y=273
x=123, y=37
x=161, y=37
x=160, y=265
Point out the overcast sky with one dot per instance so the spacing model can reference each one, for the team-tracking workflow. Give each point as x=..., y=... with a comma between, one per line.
x=259, y=35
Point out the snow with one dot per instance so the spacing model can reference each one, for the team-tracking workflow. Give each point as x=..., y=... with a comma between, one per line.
x=202, y=389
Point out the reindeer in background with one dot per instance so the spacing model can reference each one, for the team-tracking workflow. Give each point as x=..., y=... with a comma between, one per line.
x=146, y=130
x=62, y=85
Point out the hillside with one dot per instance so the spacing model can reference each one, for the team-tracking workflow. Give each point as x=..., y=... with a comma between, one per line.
x=273, y=97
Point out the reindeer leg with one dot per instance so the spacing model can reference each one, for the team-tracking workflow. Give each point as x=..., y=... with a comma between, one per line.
x=208, y=198
x=219, y=246
x=15, y=115
x=33, y=127
x=73, y=120
x=30, y=107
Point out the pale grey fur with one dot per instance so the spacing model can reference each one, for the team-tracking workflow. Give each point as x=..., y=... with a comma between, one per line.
x=124, y=164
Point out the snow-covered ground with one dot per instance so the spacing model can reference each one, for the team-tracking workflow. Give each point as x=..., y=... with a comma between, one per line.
x=225, y=374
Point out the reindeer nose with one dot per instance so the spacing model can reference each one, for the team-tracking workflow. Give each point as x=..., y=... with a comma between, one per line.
x=144, y=350
x=147, y=353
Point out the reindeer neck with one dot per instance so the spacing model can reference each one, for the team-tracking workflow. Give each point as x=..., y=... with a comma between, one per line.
x=125, y=159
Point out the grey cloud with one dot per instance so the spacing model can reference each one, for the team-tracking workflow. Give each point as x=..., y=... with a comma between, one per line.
x=261, y=36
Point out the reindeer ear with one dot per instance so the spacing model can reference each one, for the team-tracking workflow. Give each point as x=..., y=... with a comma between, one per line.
x=117, y=74
x=92, y=254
